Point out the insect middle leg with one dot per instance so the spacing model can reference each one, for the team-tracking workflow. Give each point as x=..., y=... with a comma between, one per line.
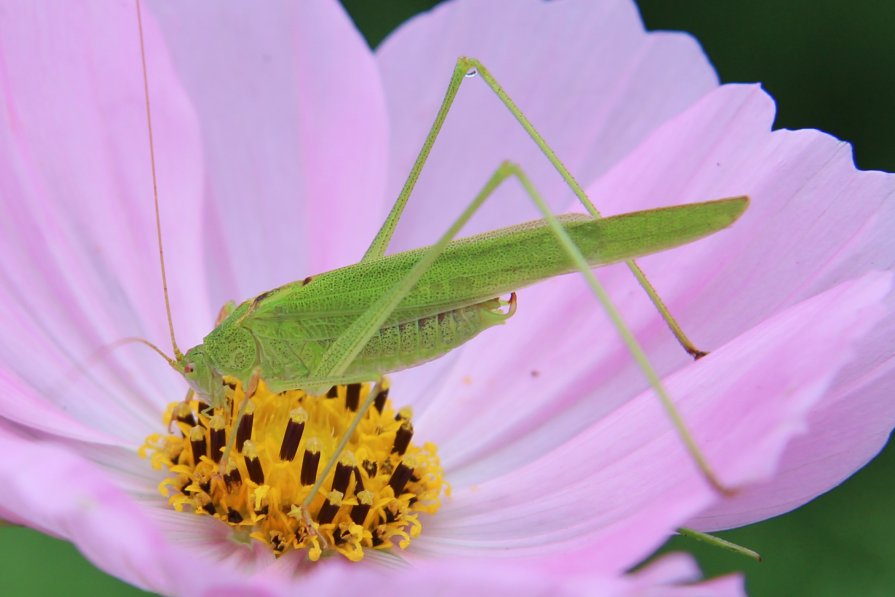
x=464, y=68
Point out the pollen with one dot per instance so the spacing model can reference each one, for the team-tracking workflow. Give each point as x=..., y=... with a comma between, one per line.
x=254, y=472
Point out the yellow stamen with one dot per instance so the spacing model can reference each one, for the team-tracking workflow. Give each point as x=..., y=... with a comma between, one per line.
x=371, y=500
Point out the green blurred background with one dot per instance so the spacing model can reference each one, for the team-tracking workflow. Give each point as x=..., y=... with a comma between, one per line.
x=830, y=65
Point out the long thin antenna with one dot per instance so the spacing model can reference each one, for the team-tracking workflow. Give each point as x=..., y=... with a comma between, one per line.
x=158, y=224
x=104, y=350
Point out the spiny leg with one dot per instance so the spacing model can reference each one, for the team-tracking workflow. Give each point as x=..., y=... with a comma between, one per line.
x=464, y=68
x=348, y=345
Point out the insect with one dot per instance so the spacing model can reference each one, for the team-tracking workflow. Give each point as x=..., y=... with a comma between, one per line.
x=387, y=313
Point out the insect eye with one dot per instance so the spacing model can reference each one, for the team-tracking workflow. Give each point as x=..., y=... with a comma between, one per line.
x=188, y=368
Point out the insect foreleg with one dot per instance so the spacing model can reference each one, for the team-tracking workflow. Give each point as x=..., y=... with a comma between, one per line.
x=470, y=66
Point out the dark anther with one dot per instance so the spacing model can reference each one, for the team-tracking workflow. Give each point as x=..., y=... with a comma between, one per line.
x=400, y=478
x=333, y=392
x=358, y=481
x=244, y=431
x=330, y=508
x=184, y=414
x=309, y=463
x=352, y=397
x=233, y=516
x=359, y=511
x=294, y=430
x=256, y=473
x=379, y=401
x=218, y=441
x=209, y=508
x=342, y=477
x=197, y=442
x=370, y=467
x=233, y=477
x=276, y=542
x=253, y=463
x=402, y=438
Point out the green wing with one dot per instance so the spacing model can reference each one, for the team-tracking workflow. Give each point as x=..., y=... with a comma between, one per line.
x=296, y=323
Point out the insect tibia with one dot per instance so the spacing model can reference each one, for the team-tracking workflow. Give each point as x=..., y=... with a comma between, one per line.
x=124, y=341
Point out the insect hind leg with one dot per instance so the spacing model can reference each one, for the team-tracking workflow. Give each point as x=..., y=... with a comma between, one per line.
x=508, y=170
x=346, y=347
x=463, y=69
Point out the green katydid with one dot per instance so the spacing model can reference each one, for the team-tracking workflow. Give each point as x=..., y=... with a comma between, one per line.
x=388, y=313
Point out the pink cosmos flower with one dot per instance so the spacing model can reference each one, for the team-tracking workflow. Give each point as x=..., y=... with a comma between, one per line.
x=281, y=142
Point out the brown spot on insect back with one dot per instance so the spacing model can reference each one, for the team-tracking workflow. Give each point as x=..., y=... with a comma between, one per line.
x=257, y=300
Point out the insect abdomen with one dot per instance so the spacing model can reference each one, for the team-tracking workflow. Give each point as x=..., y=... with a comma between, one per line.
x=411, y=343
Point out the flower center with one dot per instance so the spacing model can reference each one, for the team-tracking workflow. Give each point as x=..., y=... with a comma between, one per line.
x=371, y=499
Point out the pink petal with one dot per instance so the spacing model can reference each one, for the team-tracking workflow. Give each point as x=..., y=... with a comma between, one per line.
x=718, y=288
x=80, y=258
x=814, y=221
x=106, y=525
x=122, y=537
x=21, y=404
x=66, y=299
x=743, y=403
x=671, y=575
x=294, y=126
